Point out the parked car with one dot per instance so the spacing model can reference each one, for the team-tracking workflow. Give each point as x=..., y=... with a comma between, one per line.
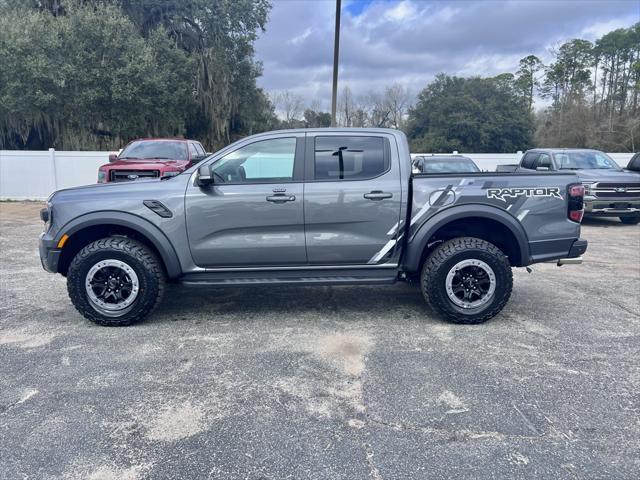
x=310, y=207
x=634, y=163
x=444, y=164
x=609, y=190
x=151, y=158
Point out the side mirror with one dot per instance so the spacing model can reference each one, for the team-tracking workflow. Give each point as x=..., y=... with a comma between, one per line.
x=113, y=157
x=205, y=178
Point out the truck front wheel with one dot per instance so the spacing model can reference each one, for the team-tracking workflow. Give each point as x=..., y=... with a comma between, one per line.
x=467, y=280
x=630, y=219
x=115, y=281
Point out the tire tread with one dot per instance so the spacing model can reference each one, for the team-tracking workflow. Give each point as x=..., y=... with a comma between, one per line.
x=128, y=246
x=443, y=253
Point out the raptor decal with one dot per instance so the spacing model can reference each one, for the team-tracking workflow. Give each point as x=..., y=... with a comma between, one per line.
x=506, y=193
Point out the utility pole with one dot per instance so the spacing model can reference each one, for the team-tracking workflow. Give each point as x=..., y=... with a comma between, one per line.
x=336, y=54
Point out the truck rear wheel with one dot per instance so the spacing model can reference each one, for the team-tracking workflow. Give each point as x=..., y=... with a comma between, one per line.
x=467, y=280
x=115, y=281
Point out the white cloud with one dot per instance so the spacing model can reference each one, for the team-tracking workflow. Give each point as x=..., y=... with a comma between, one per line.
x=600, y=28
x=404, y=10
x=410, y=41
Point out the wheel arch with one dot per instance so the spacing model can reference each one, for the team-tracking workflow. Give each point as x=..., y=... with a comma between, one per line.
x=481, y=221
x=90, y=227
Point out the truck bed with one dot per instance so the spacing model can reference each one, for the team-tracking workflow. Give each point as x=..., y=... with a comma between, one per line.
x=535, y=205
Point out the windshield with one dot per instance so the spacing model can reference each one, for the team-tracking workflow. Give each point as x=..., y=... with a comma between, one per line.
x=158, y=149
x=584, y=161
x=447, y=165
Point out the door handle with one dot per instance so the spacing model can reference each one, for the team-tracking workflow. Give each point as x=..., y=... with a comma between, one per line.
x=377, y=195
x=281, y=198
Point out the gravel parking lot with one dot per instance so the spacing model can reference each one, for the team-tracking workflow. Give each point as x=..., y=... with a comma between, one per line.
x=324, y=382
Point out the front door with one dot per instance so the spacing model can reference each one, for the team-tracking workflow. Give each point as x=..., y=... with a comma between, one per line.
x=253, y=213
x=352, y=199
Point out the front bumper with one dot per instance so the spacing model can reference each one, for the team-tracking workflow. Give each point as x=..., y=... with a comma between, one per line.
x=612, y=207
x=49, y=254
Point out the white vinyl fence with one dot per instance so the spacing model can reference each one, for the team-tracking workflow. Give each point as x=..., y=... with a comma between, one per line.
x=34, y=175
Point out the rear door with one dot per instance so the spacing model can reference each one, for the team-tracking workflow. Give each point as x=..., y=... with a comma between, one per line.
x=352, y=198
x=253, y=214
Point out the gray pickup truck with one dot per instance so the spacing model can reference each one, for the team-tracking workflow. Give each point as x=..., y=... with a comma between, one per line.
x=310, y=207
x=610, y=191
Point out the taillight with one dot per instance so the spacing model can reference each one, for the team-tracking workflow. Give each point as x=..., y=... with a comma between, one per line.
x=575, y=195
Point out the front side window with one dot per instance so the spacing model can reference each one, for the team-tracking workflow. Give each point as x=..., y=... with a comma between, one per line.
x=264, y=161
x=349, y=158
x=544, y=160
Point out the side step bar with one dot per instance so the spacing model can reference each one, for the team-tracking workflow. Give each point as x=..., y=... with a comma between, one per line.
x=292, y=277
x=228, y=282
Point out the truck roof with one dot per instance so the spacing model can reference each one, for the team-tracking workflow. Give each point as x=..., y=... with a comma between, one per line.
x=336, y=130
x=557, y=150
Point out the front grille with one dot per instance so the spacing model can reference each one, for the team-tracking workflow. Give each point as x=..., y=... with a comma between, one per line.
x=615, y=190
x=129, y=175
x=614, y=185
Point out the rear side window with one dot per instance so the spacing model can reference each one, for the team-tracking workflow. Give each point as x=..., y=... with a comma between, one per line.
x=350, y=158
x=192, y=150
x=529, y=160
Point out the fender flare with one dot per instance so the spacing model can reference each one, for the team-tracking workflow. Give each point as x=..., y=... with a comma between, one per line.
x=418, y=241
x=144, y=227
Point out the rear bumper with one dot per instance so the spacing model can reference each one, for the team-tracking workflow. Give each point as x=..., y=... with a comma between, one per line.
x=557, y=250
x=578, y=248
x=49, y=254
x=574, y=257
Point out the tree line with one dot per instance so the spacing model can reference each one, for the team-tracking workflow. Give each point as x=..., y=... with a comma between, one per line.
x=93, y=74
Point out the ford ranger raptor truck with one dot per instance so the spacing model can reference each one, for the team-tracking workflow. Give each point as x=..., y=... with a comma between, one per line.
x=610, y=191
x=310, y=207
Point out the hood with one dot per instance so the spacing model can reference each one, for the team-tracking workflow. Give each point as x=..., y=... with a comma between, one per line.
x=124, y=189
x=605, y=175
x=146, y=164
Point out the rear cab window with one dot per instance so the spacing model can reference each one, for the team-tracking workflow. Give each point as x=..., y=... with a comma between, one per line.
x=337, y=158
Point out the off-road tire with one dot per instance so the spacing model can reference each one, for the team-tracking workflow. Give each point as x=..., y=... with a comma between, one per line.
x=441, y=261
x=630, y=220
x=143, y=261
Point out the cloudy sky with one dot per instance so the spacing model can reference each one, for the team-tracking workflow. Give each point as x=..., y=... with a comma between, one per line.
x=409, y=41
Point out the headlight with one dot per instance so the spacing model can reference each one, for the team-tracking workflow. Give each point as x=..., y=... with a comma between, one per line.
x=46, y=215
x=102, y=176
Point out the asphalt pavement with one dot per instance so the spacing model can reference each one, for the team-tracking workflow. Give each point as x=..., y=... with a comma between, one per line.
x=324, y=382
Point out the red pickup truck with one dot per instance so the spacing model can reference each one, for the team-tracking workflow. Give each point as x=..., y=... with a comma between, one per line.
x=151, y=158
